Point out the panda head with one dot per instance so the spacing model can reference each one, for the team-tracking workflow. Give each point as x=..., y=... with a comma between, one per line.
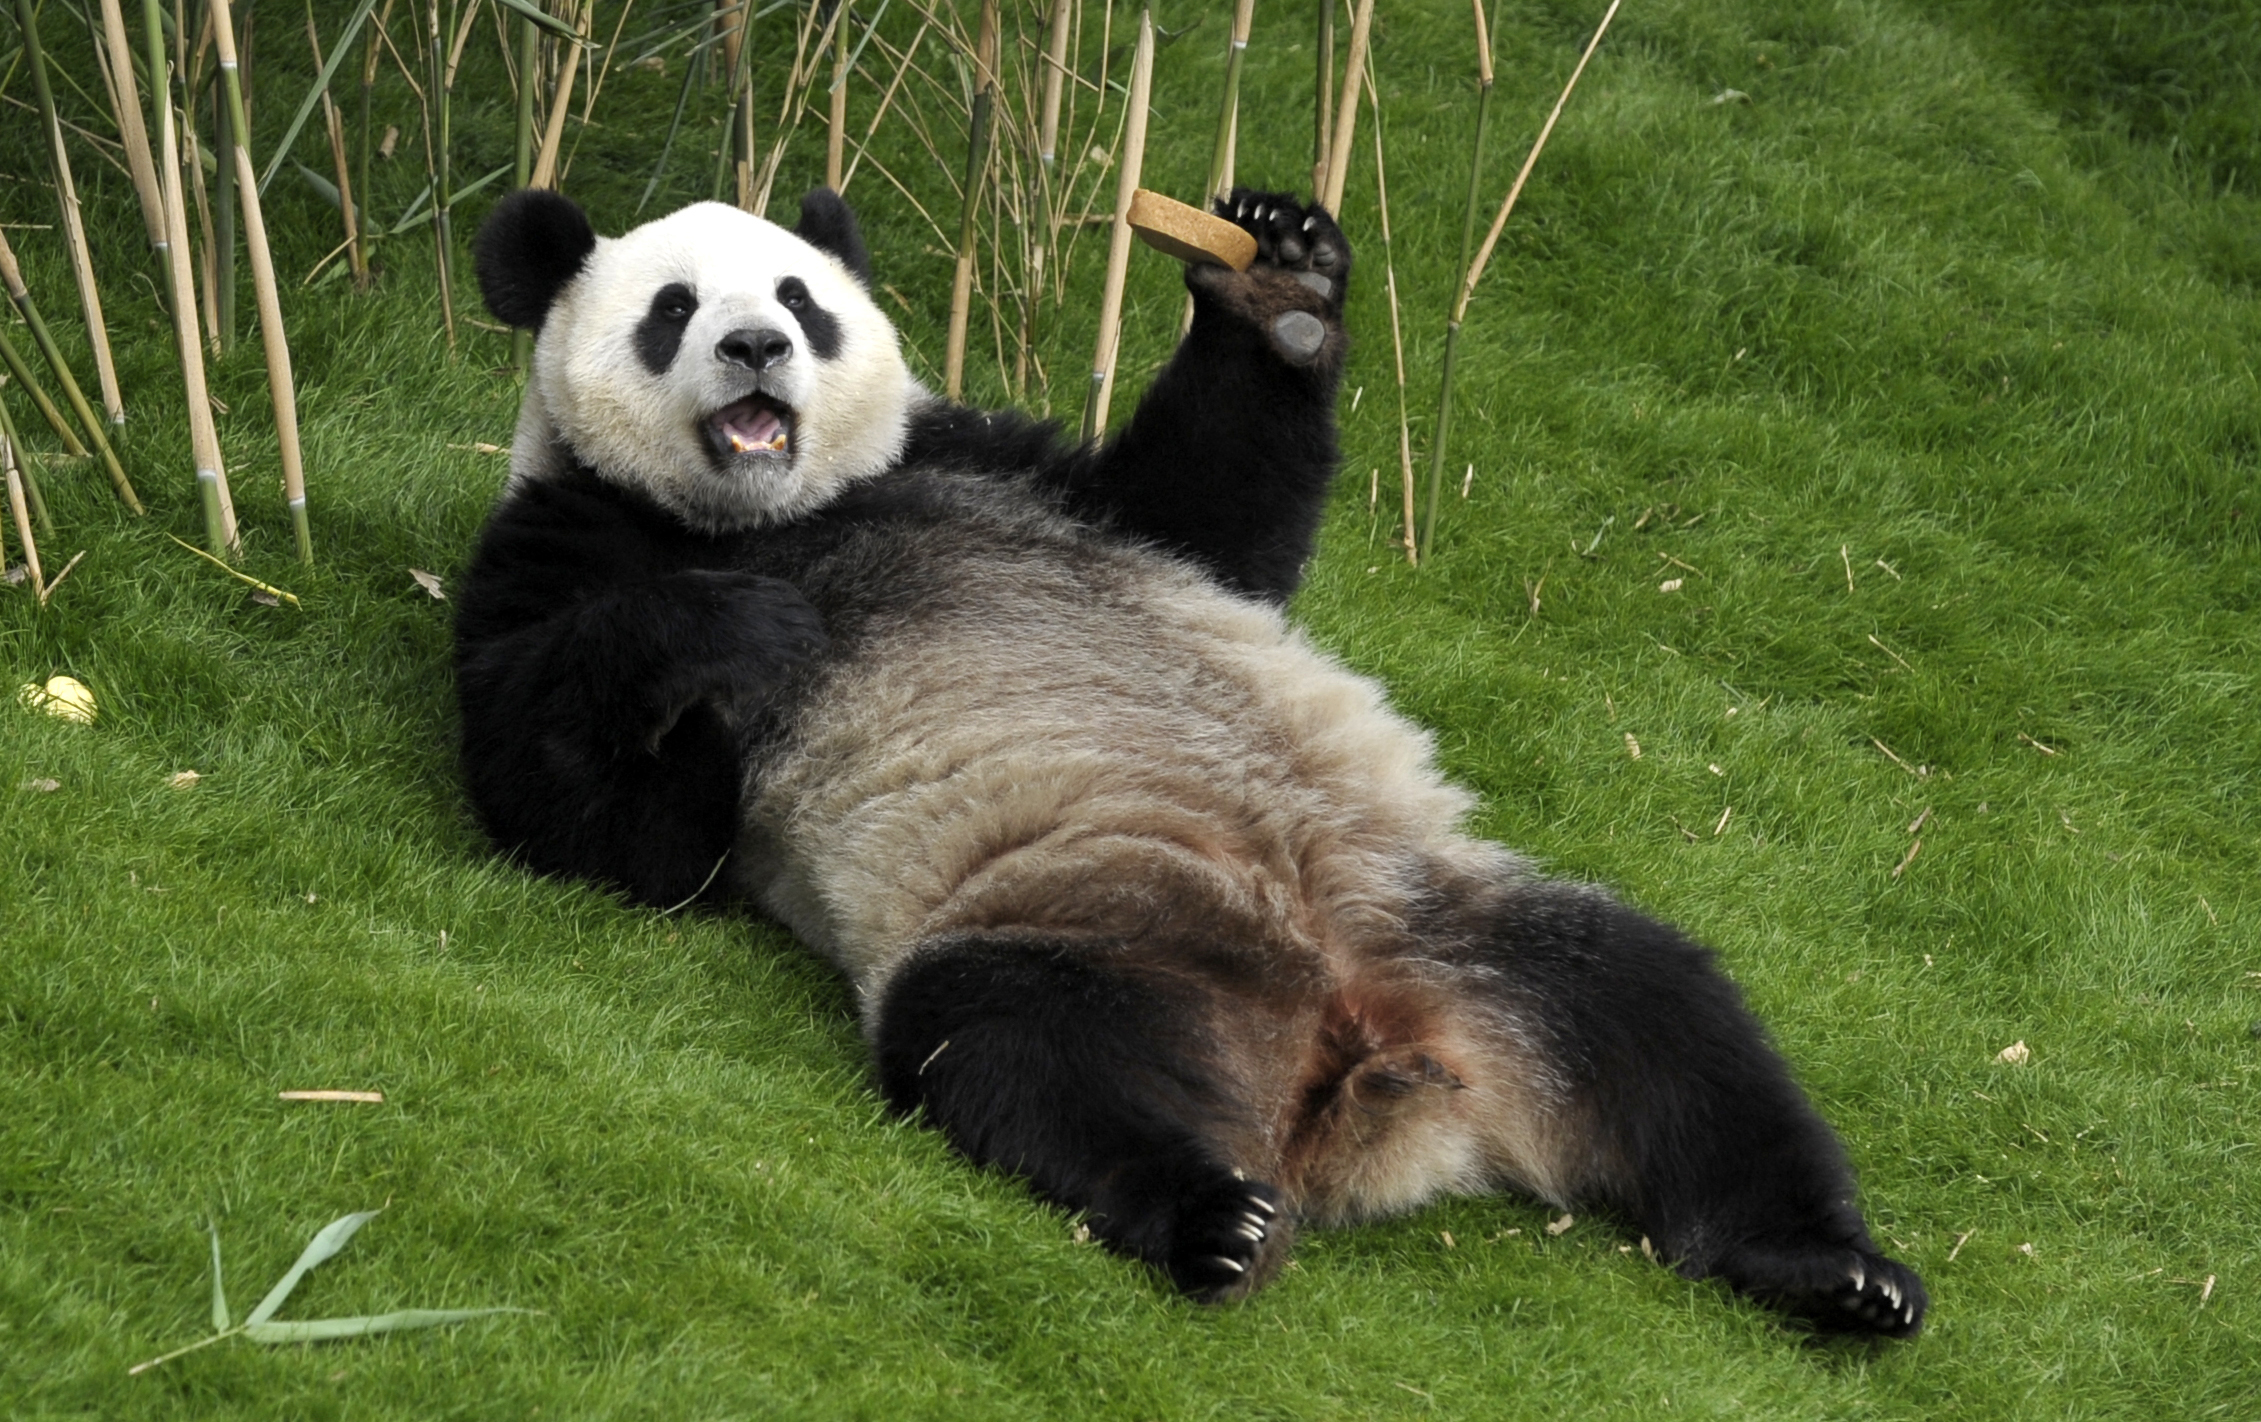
x=734, y=371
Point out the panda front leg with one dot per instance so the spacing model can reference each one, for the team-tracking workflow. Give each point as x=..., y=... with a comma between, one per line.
x=1229, y=456
x=1680, y=1114
x=597, y=742
x=1094, y=1078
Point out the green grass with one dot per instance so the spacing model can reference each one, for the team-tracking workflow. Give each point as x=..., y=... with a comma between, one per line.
x=1965, y=294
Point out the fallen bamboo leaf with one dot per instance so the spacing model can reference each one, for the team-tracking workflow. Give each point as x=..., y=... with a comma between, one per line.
x=1562, y=1226
x=2015, y=1054
x=43, y=786
x=1632, y=747
x=1907, y=859
x=428, y=583
x=182, y=779
x=57, y=581
x=375, y=1096
x=2045, y=750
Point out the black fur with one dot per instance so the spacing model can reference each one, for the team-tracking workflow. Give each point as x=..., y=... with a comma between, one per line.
x=530, y=246
x=819, y=325
x=619, y=674
x=1714, y=1153
x=981, y=1035
x=828, y=225
x=660, y=334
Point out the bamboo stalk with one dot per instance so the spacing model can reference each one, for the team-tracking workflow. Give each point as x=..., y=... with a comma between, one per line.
x=1119, y=242
x=1397, y=332
x=21, y=373
x=31, y=485
x=12, y=276
x=368, y=92
x=74, y=229
x=977, y=164
x=281, y=386
x=348, y=209
x=130, y=127
x=836, y=137
x=1228, y=112
x=204, y=438
x=436, y=160
x=224, y=224
x=1475, y=268
x=1322, y=132
x=1346, y=112
x=1442, y=438
x=553, y=132
x=22, y=514
x=742, y=71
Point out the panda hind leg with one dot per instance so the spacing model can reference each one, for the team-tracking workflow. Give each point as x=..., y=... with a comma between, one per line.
x=1674, y=1109
x=1091, y=1076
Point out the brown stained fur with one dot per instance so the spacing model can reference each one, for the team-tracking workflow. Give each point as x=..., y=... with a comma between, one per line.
x=1261, y=295
x=1160, y=765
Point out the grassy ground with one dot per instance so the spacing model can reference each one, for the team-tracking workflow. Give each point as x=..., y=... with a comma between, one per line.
x=1927, y=371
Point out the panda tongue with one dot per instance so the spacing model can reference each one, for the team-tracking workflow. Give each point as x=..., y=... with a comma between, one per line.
x=750, y=427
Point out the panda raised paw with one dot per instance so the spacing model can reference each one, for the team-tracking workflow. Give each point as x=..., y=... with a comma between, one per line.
x=1218, y=1249
x=1294, y=290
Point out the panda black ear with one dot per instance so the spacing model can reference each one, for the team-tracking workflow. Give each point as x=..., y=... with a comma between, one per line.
x=530, y=246
x=827, y=225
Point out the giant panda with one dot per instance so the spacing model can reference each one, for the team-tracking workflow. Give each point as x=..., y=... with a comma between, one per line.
x=1143, y=898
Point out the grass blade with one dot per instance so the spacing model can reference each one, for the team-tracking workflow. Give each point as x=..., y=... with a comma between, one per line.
x=323, y=1246
x=221, y=1321
x=322, y=1330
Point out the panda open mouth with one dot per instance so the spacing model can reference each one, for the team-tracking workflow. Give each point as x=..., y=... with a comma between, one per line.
x=756, y=425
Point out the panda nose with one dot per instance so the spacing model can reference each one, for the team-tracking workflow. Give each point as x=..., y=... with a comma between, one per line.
x=754, y=348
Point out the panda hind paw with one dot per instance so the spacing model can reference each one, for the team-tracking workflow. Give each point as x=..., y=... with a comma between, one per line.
x=1840, y=1290
x=1227, y=1240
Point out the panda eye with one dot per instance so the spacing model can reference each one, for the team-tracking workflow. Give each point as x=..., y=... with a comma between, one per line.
x=674, y=303
x=793, y=293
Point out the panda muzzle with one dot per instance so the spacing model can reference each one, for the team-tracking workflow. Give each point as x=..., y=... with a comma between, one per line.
x=755, y=425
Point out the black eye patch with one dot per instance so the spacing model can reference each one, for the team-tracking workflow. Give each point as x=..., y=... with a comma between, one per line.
x=660, y=334
x=819, y=325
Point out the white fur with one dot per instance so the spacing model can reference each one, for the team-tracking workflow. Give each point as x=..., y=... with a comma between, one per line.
x=591, y=394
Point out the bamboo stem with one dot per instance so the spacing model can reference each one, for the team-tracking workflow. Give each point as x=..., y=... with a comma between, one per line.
x=204, y=438
x=12, y=276
x=436, y=155
x=1346, y=113
x=74, y=228
x=553, y=132
x=1228, y=113
x=1442, y=437
x=223, y=253
x=1483, y=257
x=1397, y=333
x=1119, y=242
x=1322, y=133
x=282, y=387
x=744, y=136
x=21, y=372
x=31, y=485
x=836, y=137
x=977, y=165
x=130, y=126
x=22, y=514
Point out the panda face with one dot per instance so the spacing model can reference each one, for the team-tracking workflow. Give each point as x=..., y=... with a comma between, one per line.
x=724, y=366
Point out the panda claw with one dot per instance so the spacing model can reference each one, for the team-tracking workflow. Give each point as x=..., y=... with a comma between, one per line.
x=1263, y=1204
x=1233, y=1264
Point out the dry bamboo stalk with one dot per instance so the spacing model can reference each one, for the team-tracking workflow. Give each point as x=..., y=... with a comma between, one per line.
x=74, y=229
x=886, y=102
x=742, y=76
x=545, y=164
x=1397, y=333
x=1055, y=70
x=1323, y=132
x=204, y=438
x=1119, y=242
x=281, y=386
x=1228, y=113
x=334, y=125
x=207, y=274
x=1530, y=160
x=836, y=137
x=13, y=278
x=1483, y=256
x=1346, y=112
x=22, y=514
x=977, y=165
x=130, y=126
x=31, y=485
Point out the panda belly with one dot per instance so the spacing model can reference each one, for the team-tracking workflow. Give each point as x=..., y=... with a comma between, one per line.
x=1126, y=757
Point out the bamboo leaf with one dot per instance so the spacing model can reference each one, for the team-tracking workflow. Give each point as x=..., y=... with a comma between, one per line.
x=543, y=21
x=323, y=187
x=323, y=1246
x=321, y=1330
x=221, y=1322
x=314, y=93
